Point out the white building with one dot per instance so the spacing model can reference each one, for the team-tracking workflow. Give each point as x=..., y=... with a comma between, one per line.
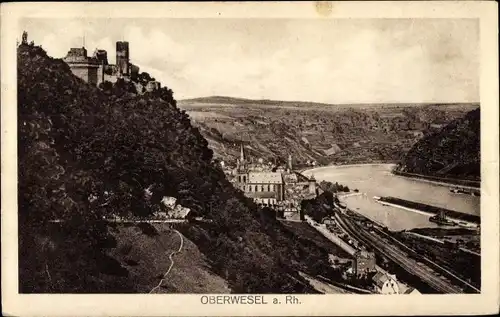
x=385, y=284
x=169, y=202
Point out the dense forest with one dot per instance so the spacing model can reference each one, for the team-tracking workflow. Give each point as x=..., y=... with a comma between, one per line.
x=86, y=153
x=452, y=152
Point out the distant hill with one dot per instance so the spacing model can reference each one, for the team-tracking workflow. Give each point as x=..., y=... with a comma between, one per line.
x=225, y=100
x=244, y=101
x=452, y=152
x=85, y=154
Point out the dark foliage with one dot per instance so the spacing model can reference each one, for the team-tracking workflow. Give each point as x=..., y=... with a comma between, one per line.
x=148, y=229
x=319, y=207
x=334, y=188
x=85, y=153
x=452, y=152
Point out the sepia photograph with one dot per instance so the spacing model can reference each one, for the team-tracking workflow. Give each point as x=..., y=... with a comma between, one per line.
x=236, y=157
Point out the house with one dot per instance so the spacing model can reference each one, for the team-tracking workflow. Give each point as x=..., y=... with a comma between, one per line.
x=290, y=178
x=412, y=291
x=385, y=283
x=179, y=212
x=328, y=221
x=332, y=150
x=169, y=202
x=364, y=262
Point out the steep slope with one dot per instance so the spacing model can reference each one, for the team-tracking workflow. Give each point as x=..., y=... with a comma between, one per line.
x=453, y=152
x=85, y=154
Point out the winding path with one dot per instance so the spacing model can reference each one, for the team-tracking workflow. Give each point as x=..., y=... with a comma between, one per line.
x=171, y=263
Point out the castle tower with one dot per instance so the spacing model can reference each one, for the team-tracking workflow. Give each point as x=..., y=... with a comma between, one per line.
x=101, y=56
x=123, y=58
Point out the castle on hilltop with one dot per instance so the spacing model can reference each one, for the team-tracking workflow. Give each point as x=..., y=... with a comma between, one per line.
x=95, y=69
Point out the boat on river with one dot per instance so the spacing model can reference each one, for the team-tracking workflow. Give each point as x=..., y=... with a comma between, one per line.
x=464, y=191
x=441, y=220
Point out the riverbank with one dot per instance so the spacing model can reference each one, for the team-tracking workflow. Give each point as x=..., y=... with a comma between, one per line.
x=429, y=210
x=320, y=168
x=474, y=186
x=377, y=180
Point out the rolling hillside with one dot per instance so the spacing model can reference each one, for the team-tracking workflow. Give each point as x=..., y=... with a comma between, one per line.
x=313, y=131
x=453, y=152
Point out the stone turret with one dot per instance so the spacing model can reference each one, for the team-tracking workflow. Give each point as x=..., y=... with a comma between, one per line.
x=312, y=185
x=290, y=163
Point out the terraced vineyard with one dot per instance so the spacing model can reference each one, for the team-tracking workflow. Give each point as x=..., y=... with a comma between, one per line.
x=309, y=131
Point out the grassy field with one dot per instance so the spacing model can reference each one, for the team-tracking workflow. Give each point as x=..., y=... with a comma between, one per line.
x=145, y=254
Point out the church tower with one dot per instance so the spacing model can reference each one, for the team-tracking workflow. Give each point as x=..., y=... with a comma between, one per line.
x=242, y=157
x=312, y=185
x=290, y=163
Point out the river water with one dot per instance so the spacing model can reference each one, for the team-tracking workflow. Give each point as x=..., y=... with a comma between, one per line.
x=377, y=180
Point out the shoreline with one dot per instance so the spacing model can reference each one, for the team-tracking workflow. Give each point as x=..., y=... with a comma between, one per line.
x=422, y=212
x=427, y=178
x=416, y=177
x=312, y=170
x=424, y=180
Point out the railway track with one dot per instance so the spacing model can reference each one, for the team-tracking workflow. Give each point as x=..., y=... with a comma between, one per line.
x=400, y=257
x=431, y=264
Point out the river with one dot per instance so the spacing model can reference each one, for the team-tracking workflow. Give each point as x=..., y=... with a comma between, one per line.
x=377, y=180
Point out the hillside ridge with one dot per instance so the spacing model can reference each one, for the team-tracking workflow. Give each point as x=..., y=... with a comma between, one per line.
x=85, y=154
x=452, y=152
x=240, y=100
x=325, y=134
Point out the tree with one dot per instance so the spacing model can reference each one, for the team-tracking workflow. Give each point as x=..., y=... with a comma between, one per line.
x=106, y=86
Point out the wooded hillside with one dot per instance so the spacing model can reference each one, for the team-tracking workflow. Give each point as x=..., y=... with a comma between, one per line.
x=85, y=154
x=453, y=152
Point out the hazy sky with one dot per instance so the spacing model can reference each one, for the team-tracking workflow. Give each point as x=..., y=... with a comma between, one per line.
x=329, y=60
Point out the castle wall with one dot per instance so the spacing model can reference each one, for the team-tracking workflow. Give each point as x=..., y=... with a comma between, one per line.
x=81, y=72
x=92, y=75
x=110, y=78
x=100, y=74
x=88, y=73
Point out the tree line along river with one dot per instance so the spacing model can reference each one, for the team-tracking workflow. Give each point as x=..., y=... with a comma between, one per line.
x=377, y=180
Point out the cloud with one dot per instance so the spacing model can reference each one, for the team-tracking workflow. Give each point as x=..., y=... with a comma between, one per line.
x=336, y=61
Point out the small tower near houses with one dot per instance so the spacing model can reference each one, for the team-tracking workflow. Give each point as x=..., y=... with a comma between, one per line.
x=242, y=157
x=312, y=185
x=290, y=163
